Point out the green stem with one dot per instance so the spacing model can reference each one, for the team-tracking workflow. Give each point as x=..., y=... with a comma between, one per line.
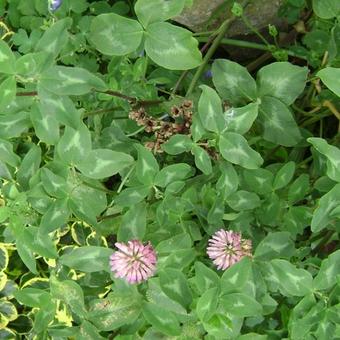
x=198, y=34
x=136, y=132
x=326, y=238
x=305, y=113
x=125, y=179
x=305, y=161
x=239, y=43
x=314, y=119
x=222, y=31
x=102, y=111
x=248, y=44
x=254, y=29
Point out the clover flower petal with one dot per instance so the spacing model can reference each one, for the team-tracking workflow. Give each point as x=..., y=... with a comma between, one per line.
x=133, y=261
x=226, y=248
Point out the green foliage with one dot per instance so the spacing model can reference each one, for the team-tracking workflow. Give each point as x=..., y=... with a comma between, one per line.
x=104, y=139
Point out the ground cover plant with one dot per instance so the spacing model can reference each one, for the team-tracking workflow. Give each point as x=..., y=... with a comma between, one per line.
x=152, y=187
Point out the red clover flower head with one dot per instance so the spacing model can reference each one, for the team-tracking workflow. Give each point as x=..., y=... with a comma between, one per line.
x=133, y=261
x=226, y=248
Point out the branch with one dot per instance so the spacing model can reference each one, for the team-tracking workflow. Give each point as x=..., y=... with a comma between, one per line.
x=132, y=100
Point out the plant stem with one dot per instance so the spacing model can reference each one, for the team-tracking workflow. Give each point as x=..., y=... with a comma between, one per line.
x=126, y=177
x=315, y=119
x=325, y=239
x=239, y=43
x=185, y=73
x=249, y=44
x=222, y=31
x=98, y=112
x=136, y=132
x=254, y=29
x=132, y=100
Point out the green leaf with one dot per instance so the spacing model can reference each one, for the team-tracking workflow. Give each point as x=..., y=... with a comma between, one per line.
x=29, y=166
x=269, y=211
x=14, y=125
x=176, y=50
x=54, y=38
x=282, y=80
x=7, y=334
x=39, y=243
x=297, y=219
x=243, y=200
x=275, y=245
x=241, y=119
x=174, y=284
x=55, y=217
x=207, y=304
x=70, y=293
x=63, y=80
x=228, y=181
x=30, y=296
x=326, y=9
x=7, y=59
x=291, y=280
x=88, y=259
x=233, y=82
x=133, y=223
x=172, y=173
x=89, y=332
x=329, y=270
x=86, y=203
x=8, y=312
x=112, y=34
x=298, y=189
x=259, y=180
x=8, y=90
x=236, y=278
x=61, y=108
x=147, y=166
x=284, y=175
x=54, y=185
x=75, y=145
x=45, y=315
x=223, y=326
x=277, y=122
x=205, y=278
x=174, y=244
x=114, y=311
x=155, y=295
x=131, y=196
x=202, y=159
x=330, y=76
x=163, y=320
x=3, y=258
x=177, y=144
x=25, y=252
x=332, y=153
x=33, y=64
x=150, y=11
x=216, y=212
x=235, y=149
x=197, y=129
x=240, y=305
x=45, y=126
x=7, y=154
x=210, y=110
x=252, y=336
x=101, y=163
x=3, y=280
x=4, y=213
x=326, y=204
